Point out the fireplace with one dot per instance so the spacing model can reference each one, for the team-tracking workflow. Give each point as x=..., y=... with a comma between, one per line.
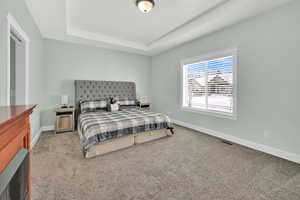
x=14, y=178
x=15, y=183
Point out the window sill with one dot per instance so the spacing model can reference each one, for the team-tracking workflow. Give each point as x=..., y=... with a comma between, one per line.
x=210, y=113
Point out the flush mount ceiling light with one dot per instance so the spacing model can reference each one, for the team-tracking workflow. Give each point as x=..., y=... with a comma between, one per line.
x=145, y=5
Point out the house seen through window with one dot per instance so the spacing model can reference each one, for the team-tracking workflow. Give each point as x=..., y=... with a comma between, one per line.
x=208, y=84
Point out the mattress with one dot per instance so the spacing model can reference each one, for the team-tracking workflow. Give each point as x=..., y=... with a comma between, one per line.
x=102, y=126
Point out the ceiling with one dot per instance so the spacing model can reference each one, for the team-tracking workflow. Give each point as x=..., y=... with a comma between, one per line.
x=118, y=24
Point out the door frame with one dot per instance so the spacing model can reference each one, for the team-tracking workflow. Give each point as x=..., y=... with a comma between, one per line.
x=11, y=25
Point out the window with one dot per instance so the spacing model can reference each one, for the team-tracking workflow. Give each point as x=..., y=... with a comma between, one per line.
x=209, y=84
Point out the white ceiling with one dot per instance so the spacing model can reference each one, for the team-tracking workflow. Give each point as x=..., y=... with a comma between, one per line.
x=118, y=24
x=122, y=19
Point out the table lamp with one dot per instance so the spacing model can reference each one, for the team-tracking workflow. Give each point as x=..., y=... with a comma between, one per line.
x=64, y=101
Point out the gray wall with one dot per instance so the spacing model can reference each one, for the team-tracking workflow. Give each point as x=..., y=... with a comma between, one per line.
x=19, y=10
x=268, y=79
x=66, y=62
x=268, y=74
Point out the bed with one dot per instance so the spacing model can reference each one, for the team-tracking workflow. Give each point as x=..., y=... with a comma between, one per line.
x=103, y=132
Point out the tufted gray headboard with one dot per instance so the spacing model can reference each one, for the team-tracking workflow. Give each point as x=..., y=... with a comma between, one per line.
x=93, y=90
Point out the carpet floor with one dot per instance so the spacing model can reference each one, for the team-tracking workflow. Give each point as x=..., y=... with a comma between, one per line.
x=188, y=165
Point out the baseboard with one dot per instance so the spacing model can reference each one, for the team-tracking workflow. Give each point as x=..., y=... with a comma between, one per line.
x=47, y=128
x=259, y=147
x=38, y=134
x=36, y=138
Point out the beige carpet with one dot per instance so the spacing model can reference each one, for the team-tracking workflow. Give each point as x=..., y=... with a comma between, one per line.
x=186, y=166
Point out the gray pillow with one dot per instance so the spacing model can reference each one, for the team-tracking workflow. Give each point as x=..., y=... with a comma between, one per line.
x=93, y=105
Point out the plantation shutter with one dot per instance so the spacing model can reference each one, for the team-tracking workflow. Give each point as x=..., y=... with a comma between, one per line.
x=219, y=84
x=208, y=84
x=196, y=84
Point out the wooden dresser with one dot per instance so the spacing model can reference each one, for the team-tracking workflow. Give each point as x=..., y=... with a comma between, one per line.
x=15, y=138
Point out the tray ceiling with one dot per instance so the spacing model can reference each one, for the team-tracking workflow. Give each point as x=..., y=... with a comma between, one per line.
x=120, y=25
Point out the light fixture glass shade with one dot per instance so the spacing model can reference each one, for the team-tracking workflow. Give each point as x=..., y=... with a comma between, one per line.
x=64, y=100
x=145, y=5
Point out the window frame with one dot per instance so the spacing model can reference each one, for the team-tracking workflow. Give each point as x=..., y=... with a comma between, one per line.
x=210, y=56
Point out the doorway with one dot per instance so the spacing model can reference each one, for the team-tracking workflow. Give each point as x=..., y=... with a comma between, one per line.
x=17, y=63
x=17, y=70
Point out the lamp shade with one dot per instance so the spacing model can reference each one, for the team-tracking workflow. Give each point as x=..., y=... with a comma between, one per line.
x=143, y=100
x=64, y=99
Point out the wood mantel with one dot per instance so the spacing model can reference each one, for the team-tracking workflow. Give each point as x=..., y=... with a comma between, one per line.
x=14, y=133
x=10, y=113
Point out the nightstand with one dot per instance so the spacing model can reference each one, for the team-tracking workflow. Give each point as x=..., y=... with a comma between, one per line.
x=64, y=120
x=144, y=106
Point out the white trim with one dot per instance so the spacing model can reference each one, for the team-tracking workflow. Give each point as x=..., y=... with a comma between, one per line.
x=76, y=32
x=93, y=36
x=209, y=112
x=36, y=138
x=259, y=147
x=38, y=134
x=210, y=56
x=12, y=25
x=197, y=27
x=47, y=128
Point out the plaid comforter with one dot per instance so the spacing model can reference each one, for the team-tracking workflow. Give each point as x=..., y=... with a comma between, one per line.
x=98, y=127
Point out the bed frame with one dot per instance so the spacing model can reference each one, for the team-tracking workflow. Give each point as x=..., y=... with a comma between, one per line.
x=93, y=90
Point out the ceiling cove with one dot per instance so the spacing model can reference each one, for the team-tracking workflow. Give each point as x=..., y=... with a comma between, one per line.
x=122, y=26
